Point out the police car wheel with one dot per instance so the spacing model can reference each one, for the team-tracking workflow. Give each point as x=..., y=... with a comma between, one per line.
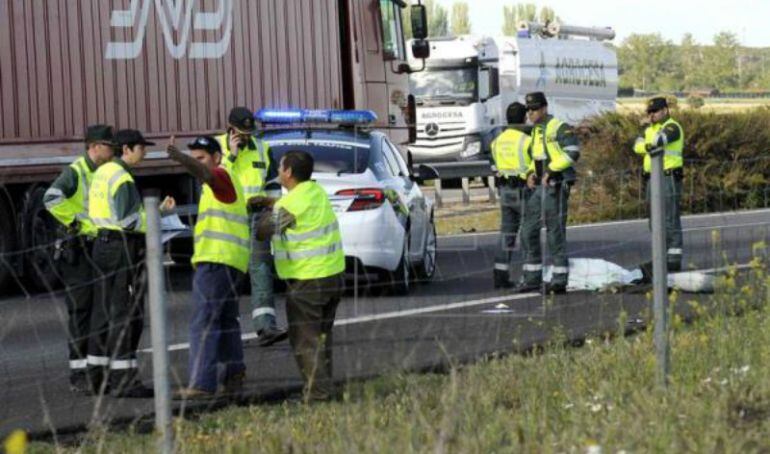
x=425, y=270
x=400, y=277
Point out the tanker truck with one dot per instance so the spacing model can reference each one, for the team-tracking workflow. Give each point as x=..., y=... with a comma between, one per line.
x=469, y=81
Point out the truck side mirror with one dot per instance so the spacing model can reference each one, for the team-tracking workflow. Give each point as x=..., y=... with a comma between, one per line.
x=419, y=23
x=411, y=119
x=421, y=48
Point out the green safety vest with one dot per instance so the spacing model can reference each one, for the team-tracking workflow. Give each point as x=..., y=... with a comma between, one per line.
x=549, y=148
x=672, y=152
x=76, y=206
x=222, y=230
x=510, y=150
x=312, y=247
x=250, y=166
x=101, y=199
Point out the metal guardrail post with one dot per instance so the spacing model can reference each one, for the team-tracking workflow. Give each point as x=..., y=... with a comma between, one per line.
x=659, y=271
x=158, y=324
x=491, y=186
x=466, y=191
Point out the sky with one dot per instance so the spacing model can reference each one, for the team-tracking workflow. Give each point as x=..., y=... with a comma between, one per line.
x=748, y=19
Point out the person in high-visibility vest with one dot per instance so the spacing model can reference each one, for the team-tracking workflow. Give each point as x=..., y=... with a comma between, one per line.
x=220, y=259
x=512, y=158
x=67, y=201
x=250, y=160
x=555, y=150
x=665, y=135
x=115, y=206
x=309, y=257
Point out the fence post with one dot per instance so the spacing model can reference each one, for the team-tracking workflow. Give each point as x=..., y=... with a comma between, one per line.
x=437, y=196
x=659, y=271
x=466, y=191
x=158, y=324
x=492, y=186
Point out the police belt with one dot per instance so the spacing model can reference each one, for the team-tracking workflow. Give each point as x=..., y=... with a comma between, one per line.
x=511, y=182
x=677, y=173
x=119, y=235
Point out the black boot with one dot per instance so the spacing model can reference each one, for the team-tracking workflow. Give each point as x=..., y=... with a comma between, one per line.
x=126, y=384
x=501, y=279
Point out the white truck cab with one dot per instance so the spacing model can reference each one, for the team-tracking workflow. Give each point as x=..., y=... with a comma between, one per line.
x=469, y=81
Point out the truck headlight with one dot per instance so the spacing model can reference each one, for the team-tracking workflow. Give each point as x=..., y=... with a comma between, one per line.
x=472, y=148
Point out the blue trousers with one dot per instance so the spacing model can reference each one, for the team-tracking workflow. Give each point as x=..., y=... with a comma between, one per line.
x=215, y=332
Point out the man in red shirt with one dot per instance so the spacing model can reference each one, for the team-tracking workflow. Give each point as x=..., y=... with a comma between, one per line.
x=221, y=258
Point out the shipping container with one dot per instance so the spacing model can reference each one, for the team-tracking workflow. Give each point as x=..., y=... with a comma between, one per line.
x=172, y=68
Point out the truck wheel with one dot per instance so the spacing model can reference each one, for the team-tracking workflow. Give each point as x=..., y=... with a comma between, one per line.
x=37, y=238
x=7, y=243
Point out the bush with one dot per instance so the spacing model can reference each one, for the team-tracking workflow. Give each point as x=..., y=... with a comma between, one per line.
x=695, y=102
x=726, y=164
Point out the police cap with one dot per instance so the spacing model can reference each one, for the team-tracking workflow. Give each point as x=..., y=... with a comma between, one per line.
x=131, y=137
x=655, y=104
x=100, y=134
x=242, y=119
x=535, y=100
x=205, y=143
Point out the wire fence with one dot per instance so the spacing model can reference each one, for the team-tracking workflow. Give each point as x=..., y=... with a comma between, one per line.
x=454, y=317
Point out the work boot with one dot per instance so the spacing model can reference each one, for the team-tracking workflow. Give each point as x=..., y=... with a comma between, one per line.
x=232, y=387
x=97, y=377
x=527, y=287
x=188, y=394
x=126, y=384
x=555, y=289
x=79, y=382
x=501, y=279
x=270, y=336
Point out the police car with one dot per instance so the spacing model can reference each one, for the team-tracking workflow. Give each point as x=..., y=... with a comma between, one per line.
x=386, y=222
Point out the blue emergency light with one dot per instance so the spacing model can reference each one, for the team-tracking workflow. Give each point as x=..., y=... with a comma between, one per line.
x=290, y=116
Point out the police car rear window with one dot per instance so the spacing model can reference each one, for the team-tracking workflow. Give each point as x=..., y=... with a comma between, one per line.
x=329, y=156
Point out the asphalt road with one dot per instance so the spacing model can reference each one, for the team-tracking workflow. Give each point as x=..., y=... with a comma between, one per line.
x=453, y=318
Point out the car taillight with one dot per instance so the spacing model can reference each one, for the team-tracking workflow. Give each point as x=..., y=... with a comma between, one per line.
x=365, y=199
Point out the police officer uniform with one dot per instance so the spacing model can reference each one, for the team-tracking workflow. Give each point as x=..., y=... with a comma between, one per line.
x=253, y=166
x=511, y=156
x=115, y=206
x=309, y=257
x=555, y=150
x=666, y=136
x=67, y=201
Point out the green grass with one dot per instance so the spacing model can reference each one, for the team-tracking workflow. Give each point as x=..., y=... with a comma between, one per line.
x=562, y=400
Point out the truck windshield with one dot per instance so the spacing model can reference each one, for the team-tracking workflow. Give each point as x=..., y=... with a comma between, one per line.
x=444, y=83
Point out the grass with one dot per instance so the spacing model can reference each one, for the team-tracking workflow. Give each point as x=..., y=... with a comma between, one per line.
x=602, y=396
x=477, y=217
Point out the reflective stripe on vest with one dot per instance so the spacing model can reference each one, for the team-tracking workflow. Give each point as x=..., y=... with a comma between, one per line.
x=673, y=152
x=312, y=247
x=222, y=229
x=252, y=178
x=548, y=148
x=101, y=204
x=509, y=150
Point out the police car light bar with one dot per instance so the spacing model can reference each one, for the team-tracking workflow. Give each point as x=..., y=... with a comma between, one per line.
x=290, y=116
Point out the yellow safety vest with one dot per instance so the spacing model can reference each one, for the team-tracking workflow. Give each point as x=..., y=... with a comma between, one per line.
x=101, y=199
x=76, y=206
x=250, y=166
x=672, y=152
x=510, y=150
x=222, y=230
x=559, y=160
x=312, y=247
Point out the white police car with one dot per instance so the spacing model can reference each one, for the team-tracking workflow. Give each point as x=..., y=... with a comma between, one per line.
x=386, y=222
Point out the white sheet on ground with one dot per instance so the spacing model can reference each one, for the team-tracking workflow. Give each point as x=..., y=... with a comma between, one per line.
x=595, y=274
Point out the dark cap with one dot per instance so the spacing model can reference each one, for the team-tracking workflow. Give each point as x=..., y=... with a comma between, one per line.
x=131, y=137
x=516, y=113
x=242, y=119
x=206, y=143
x=657, y=103
x=100, y=134
x=535, y=100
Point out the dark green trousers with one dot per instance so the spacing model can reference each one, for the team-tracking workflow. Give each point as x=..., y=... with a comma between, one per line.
x=550, y=203
x=512, y=200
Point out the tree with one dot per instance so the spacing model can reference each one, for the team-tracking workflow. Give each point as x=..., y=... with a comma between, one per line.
x=721, y=63
x=646, y=62
x=438, y=21
x=461, y=22
x=513, y=14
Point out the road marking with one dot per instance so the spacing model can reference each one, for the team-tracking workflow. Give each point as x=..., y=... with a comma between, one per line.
x=436, y=308
x=630, y=221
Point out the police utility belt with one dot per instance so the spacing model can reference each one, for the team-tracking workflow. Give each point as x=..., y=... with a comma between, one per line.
x=511, y=181
x=677, y=173
x=119, y=235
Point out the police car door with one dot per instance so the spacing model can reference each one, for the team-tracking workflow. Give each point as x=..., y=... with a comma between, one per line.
x=411, y=199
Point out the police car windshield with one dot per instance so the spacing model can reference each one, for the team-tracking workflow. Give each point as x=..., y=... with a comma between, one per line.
x=330, y=157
